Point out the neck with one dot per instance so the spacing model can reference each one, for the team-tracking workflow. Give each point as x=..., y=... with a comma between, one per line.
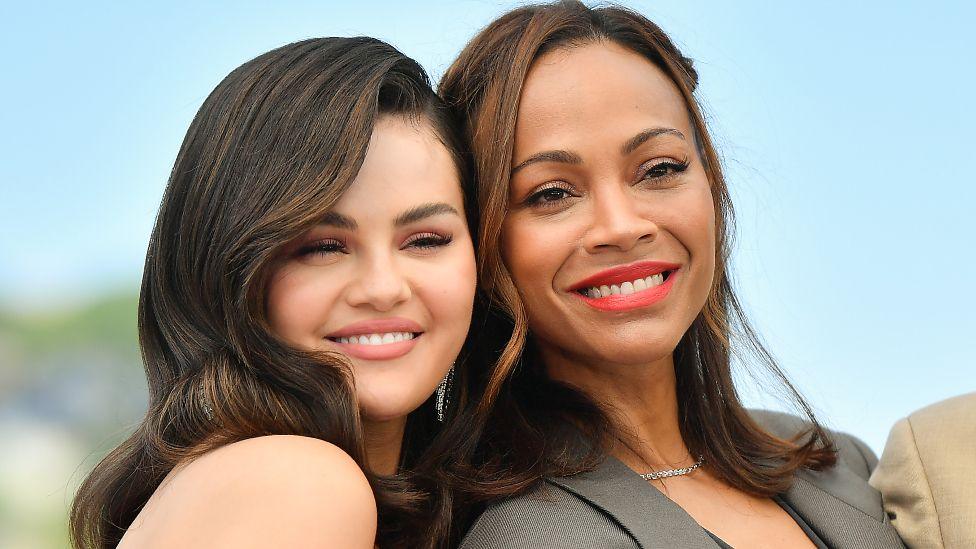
x=641, y=400
x=384, y=440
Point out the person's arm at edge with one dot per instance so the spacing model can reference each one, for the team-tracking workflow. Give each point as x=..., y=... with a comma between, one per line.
x=903, y=483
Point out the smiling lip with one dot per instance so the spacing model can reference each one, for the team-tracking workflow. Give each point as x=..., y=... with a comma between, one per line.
x=627, y=273
x=381, y=326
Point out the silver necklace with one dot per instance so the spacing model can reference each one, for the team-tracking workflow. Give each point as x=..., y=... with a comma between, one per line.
x=667, y=473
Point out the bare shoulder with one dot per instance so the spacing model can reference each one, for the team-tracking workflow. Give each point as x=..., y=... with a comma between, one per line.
x=265, y=491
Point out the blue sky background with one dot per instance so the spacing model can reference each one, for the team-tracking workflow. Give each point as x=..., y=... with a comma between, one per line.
x=847, y=134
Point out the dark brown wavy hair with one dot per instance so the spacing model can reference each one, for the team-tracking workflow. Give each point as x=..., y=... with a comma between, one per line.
x=271, y=150
x=526, y=425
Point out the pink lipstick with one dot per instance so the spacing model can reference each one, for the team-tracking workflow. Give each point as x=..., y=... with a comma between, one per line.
x=379, y=339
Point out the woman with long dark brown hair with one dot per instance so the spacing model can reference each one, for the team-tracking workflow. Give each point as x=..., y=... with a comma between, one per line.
x=612, y=419
x=309, y=283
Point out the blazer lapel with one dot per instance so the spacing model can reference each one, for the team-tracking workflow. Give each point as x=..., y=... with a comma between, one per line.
x=653, y=520
x=842, y=509
x=837, y=504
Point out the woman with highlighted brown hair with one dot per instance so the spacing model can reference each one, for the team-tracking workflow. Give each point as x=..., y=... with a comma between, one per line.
x=309, y=284
x=612, y=419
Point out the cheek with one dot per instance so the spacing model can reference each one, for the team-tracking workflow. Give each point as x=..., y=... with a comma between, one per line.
x=447, y=287
x=297, y=302
x=531, y=253
x=697, y=218
x=693, y=224
x=704, y=224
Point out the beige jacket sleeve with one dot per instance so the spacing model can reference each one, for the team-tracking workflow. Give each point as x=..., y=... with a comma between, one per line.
x=927, y=476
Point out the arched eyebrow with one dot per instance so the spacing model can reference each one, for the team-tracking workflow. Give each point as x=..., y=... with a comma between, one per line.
x=639, y=139
x=338, y=220
x=423, y=212
x=568, y=157
x=412, y=215
x=565, y=157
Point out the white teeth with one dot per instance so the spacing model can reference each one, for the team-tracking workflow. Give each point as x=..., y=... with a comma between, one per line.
x=376, y=339
x=626, y=288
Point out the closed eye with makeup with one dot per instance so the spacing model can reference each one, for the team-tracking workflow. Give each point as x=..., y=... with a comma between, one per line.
x=331, y=241
x=387, y=276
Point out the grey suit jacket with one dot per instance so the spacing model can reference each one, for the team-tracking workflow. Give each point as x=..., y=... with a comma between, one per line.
x=613, y=507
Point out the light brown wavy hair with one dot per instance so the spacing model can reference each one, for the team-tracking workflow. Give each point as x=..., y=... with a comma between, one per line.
x=270, y=151
x=526, y=425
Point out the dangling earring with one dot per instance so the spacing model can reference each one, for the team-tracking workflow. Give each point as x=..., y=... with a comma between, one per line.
x=443, y=394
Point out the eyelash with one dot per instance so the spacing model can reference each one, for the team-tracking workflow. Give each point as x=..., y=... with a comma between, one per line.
x=323, y=247
x=428, y=241
x=671, y=167
x=536, y=198
x=420, y=241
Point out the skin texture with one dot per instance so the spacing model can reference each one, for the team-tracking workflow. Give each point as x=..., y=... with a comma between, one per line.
x=613, y=212
x=592, y=203
x=290, y=491
x=423, y=271
x=273, y=491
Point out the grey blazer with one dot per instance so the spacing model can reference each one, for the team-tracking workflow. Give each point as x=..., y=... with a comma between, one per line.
x=613, y=507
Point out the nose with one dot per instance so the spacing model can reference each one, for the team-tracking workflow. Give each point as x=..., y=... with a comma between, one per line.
x=618, y=222
x=380, y=284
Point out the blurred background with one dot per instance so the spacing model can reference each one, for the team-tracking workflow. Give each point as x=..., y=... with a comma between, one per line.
x=846, y=131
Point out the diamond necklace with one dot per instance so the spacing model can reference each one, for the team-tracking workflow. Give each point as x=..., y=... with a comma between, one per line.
x=667, y=473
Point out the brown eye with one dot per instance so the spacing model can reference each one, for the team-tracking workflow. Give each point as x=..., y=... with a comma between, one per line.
x=663, y=169
x=547, y=196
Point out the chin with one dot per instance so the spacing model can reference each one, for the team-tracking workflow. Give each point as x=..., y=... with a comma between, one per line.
x=636, y=344
x=388, y=407
x=624, y=350
x=381, y=413
x=637, y=355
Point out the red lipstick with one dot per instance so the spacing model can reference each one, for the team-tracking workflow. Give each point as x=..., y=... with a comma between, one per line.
x=627, y=287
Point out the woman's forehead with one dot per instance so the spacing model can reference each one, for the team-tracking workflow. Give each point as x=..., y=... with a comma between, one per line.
x=599, y=89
